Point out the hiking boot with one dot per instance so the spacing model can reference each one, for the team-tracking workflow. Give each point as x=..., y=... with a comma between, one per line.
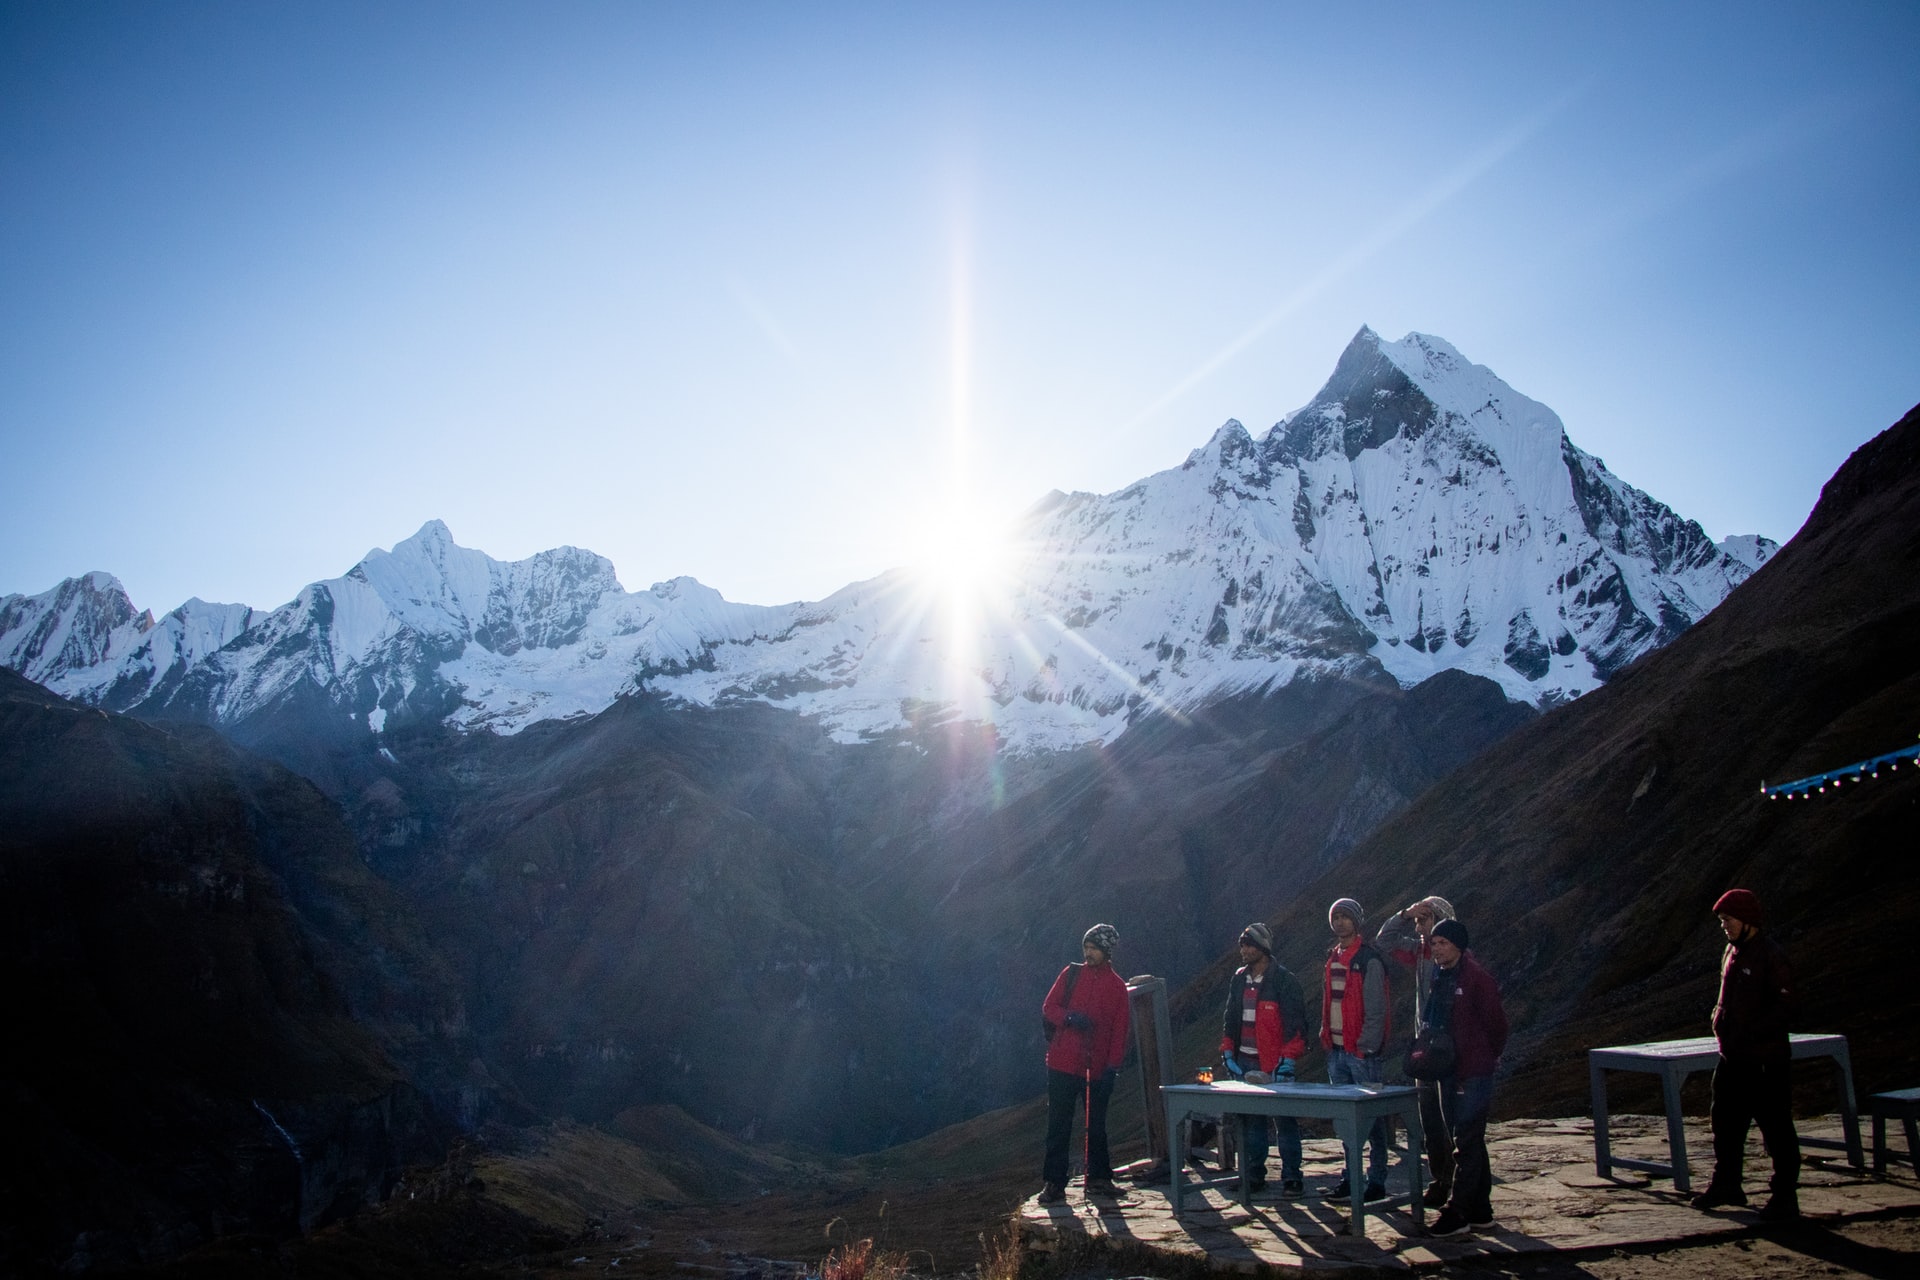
x=1449, y=1223
x=1102, y=1187
x=1782, y=1206
x=1375, y=1192
x=1256, y=1184
x=1481, y=1224
x=1292, y=1189
x=1052, y=1193
x=1436, y=1195
x=1339, y=1191
x=1714, y=1197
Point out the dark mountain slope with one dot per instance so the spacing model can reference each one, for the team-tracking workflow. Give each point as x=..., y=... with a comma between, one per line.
x=657, y=906
x=213, y=997
x=724, y=910
x=1585, y=849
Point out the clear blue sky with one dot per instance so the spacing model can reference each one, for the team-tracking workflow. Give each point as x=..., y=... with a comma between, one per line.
x=754, y=292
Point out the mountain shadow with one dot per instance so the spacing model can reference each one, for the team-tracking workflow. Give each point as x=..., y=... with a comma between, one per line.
x=213, y=996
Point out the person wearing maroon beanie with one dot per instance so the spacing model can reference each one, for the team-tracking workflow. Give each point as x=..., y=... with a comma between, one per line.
x=1751, y=1084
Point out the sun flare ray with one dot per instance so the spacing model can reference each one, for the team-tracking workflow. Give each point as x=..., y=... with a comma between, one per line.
x=1405, y=219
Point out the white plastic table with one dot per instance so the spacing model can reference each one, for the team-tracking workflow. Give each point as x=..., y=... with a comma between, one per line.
x=1352, y=1107
x=1673, y=1061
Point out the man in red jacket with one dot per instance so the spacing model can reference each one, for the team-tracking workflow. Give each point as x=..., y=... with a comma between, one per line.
x=1751, y=1083
x=1086, y=1014
x=1263, y=1030
x=1466, y=1001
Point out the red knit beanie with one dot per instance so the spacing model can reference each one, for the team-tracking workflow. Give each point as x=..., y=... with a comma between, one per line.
x=1741, y=904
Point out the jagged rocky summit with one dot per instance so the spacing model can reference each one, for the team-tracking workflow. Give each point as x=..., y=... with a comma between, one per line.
x=1418, y=515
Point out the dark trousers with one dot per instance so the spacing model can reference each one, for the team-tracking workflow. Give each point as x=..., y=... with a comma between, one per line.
x=1439, y=1142
x=1463, y=1109
x=1743, y=1093
x=1066, y=1096
x=1287, y=1129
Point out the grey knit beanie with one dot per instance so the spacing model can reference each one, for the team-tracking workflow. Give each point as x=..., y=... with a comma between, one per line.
x=1259, y=935
x=1349, y=906
x=1103, y=936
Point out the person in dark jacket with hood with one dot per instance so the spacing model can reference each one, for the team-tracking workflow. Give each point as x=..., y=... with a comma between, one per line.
x=1751, y=1083
x=1465, y=1000
x=1086, y=1014
x=1406, y=938
x=1262, y=1031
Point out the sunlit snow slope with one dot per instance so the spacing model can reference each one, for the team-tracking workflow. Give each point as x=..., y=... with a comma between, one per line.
x=1418, y=515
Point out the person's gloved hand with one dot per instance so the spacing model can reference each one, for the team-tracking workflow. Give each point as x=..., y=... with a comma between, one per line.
x=1284, y=1072
x=1079, y=1021
x=1232, y=1064
x=1257, y=1077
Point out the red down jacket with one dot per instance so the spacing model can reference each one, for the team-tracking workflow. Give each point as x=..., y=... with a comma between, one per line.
x=1102, y=996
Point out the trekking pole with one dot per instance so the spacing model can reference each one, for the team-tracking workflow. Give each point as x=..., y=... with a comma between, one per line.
x=1086, y=1123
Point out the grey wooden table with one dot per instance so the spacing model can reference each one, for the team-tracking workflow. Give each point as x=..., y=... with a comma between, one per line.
x=1895, y=1104
x=1673, y=1061
x=1352, y=1107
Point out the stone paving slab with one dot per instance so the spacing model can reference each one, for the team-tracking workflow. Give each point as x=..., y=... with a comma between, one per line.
x=1546, y=1197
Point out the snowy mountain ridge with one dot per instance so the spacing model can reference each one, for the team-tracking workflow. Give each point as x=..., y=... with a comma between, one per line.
x=1417, y=515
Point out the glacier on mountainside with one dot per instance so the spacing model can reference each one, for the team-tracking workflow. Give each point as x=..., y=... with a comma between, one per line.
x=1417, y=515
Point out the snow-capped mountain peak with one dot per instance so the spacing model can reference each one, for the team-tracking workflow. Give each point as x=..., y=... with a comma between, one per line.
x=72, y=626
x=1417, y=515
x=1749, y=549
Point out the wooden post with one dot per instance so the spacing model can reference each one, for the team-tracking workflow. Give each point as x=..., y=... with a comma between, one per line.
x=1153, y=1036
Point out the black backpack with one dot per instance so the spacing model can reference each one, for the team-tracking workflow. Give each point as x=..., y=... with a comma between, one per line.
x=1073, y=976
x=1435, y=1054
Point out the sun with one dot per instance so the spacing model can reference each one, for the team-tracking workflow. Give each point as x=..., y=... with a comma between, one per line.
x=961, y=558
x=960, y=573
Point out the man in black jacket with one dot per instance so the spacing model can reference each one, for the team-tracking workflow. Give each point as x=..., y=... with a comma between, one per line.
x=1751, y=1083
x=1263, y=1030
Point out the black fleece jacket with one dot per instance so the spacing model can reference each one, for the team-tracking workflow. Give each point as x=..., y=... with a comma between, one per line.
x=1756, y=1001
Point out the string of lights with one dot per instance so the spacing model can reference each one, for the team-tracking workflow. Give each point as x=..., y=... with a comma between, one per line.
x=1860, y=771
